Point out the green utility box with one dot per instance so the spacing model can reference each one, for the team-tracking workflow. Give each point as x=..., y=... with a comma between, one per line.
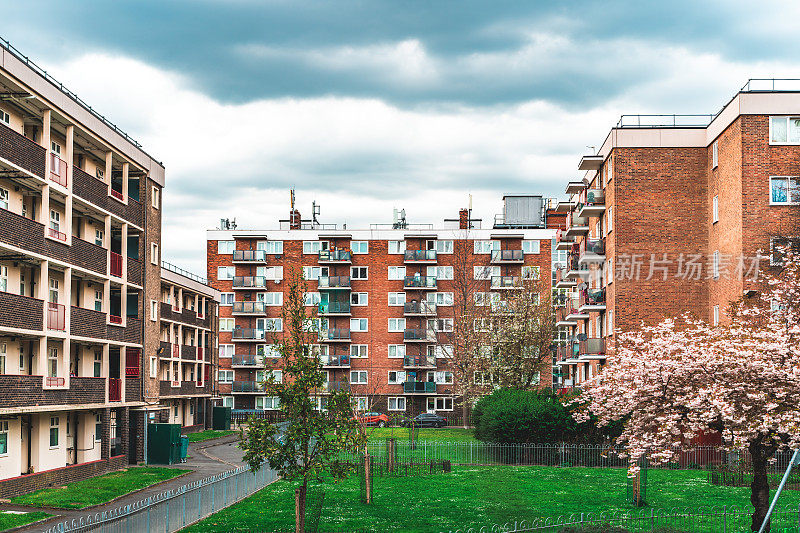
x=184, y=447
x=163, y=444
x=221, y=417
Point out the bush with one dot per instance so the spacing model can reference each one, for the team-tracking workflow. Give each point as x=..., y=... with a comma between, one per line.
x=515, y=416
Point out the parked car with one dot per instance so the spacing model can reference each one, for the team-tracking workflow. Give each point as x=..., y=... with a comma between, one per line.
x=429, y=420
x=375, y=419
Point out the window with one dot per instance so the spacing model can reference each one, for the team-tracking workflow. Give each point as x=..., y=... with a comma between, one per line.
x=530, y=272
x=359, y=298
x=5, y=117
x=3, y=278
x=359, y=350
x=530, y=247
x=226, y=324
x=784, y=190
x=485, y=247
x=440, y=272
x=3, y=437
x=314, y=247
x=310, y=299
x=444, y=299
x=225, y=376
x=153, y=310
x=397, y=351
x=98, y=237
x=153, y=367
x=358, y=273
x=715, y=209
x=224, y=273
x=397, y=403
x=52, y=362
x=226, y=247
x=440, y=404
x=268, y=350
x=55, y=220
x=397, y=298
x=486, y=272
x=226, y=350
x=358, y=377
x=55, y=148
x=714, y=155
x=441, y=324
x=226, y=299
x=359, y=324
x=360, y=403
x=268, y=403
x=270, y=324
x=271, y=247
x=54, y=431
x=784, y=130
x=359, y=247
x=274, y=273
x=312, y=273
x=444, y=247
x=3, y=198
x=153, y=253
x=397, y=324
x=227, y=401
x=275, y=298
x=53, y=291
x=3, y=350
x=484, y=378
x=716, y=315
x=397, y=247
x=609, y=219
x=262, y=375
x=397, y=273
x=715, y=265
x=441, y=377
x=156, y=197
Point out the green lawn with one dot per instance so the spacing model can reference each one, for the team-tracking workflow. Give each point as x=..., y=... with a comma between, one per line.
x=9, y=520
x=209, y=434
x=98, y=489
x=477, y=496
x=427, y=434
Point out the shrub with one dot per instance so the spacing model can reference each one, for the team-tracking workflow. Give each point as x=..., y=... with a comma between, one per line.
x=515, y=416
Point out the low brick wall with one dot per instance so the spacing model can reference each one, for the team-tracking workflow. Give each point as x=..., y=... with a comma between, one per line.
x=192, y=429
x=59, y=476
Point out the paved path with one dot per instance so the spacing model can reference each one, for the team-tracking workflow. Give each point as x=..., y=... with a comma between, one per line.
x=205, y=459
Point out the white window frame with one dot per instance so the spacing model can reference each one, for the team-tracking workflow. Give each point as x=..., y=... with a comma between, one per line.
x=154, y=253
x=443, y=247
x=787, y=119
x=715, y=316
x=359, y=247
x=485, y=246
x=5, y=117
x=155, y=197
x=228, y=249
x=359, y=296
x=399, y=273
x=270, y=247
x=714, y=154
x=788, y=180
x=360, y=322
x=440, y=272
x=361, y=351
x=609, y=219
x=229, y=273
x=4, y=198
x=227, y=322
x=399, y=325
x=715, y=209
x=153, y=310
x=715, y=264
x=225, y=375
x=397, y=299
x=359, y=374
x=398, y=349
x=226, y=299
x=359, y=270
x=226, y=351
x=436, y=402
x=399, y=377
x=227, y=401
x=531, y=246
x=314, y=247
x=397, y=401
x=440, y=299
x=396, y=247
x=310, y=299
x=313, y=273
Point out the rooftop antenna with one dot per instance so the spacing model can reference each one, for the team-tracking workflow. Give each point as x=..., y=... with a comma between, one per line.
x=315, y=210
x=594, y=150
x=469, y=212
x=291, y=198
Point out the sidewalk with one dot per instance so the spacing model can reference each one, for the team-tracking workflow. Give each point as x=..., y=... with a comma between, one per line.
x=205, y=459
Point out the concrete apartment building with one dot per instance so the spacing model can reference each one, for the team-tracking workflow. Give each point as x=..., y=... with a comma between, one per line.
x=671, y=216
x=384, y=297
x=80, y=286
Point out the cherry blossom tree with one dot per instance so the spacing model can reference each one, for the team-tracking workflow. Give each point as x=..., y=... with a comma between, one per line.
x=672, y=381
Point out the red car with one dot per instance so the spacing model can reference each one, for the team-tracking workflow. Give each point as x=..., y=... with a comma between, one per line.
x=374, y=419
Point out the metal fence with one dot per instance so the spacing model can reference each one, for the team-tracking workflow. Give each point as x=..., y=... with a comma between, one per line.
x=706, y=520
x=175, y=509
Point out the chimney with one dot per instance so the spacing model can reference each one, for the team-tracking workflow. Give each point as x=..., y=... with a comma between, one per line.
x=463, y=219
x=294, y=219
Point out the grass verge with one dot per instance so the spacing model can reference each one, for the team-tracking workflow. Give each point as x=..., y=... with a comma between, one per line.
x=97, y=490
x=9, y=520
x=209, y=434
x=426, y=434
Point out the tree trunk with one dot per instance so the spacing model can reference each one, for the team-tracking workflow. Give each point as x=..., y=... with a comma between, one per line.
x=465, y=408
x=368, y=477
x=300, y=508
x=759, y=489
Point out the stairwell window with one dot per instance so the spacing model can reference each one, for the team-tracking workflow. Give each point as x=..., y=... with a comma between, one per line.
x=714, y=155
x=716, y=315
x=715, y=265
x=3, y=351
x=784, y=130
x=154, y=253
x=715, y=210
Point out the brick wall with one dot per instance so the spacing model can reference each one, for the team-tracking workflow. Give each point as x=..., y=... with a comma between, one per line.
x=134, y=271
x=27, y=391
x=59, y=476
x=21, y=312
x=152, y=282
x=21, y=151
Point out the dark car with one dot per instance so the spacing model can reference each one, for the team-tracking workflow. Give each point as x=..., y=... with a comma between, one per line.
x=427, y=420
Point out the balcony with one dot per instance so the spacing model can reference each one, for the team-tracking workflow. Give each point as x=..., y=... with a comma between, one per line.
x=249, y=282
x=506, y=282
x=562, y=281
x=592, y=349
x=332, y=386
x=334, y=283
x=593, y=300
x=21, y=151
x=188, y=352
x=419, y=387
x=561, y=318
x=56, y=317
x=419, y=256
x=26, y=390
x=58, y=235
x=423, y=308
x=116, y=264
x=592, y=251
x=419, y=335
x=574, y=311
x=246, y=361
x=335, y=361
x=507, y=256
x=249, y=308
x=419, y=361
x=592, y=203
x=577, y=270
x=58, y=170
x=591, y=162
x=334, y=256
x=115, y=319
x=334, y=335
x=184, y=388
x=27, y=312
x=419, y=282
x=249, y=334
x=249, y=256
x=574, y=187
x=333, y=308
x=115, y=194
x=114, y=390
x=577, y=225
x=563, y=242
x=248, y=387
x=567, y=355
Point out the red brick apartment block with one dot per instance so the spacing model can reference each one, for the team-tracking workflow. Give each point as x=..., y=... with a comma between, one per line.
x=673, y=215
x=383, y=294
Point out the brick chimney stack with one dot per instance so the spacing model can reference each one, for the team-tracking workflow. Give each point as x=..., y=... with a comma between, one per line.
x=294, y=219
x=463, y=219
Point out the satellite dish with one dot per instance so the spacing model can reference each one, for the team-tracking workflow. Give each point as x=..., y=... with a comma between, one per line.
x=581, y=337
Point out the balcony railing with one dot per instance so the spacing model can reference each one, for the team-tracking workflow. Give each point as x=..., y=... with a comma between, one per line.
x=419, y=334
x=419, y=255
x=54, y=233
x=593, y=197
x=593, y=297
x=114, y=390
x=328, y=308
x=56, y=317
x=331, y=386
x=419, y=387
x=592, y=347
x=114, y=319
x=246, y=360
x=258, y=282
x=117, y=194
x=116, y=264
x=249, y=333
x=255, y=256
x=419, y=361
x=338, y=361
x=58, y=170
x=593, y=247
x=507, y=256
x=334, y=256
x=334, y=282
x=53, y=381
x=335, y=334
x=575, y=221
x=419, y=308
x=249, y=308
x=247, y=386
x=506, y=282
x=419, y=282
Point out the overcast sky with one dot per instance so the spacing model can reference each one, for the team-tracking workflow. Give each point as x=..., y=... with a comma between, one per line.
x=366, y=105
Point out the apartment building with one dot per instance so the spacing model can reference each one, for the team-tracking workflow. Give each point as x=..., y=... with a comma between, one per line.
x=675, y=214
x=80, y=219
x=187, y=312
x=383, y=296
